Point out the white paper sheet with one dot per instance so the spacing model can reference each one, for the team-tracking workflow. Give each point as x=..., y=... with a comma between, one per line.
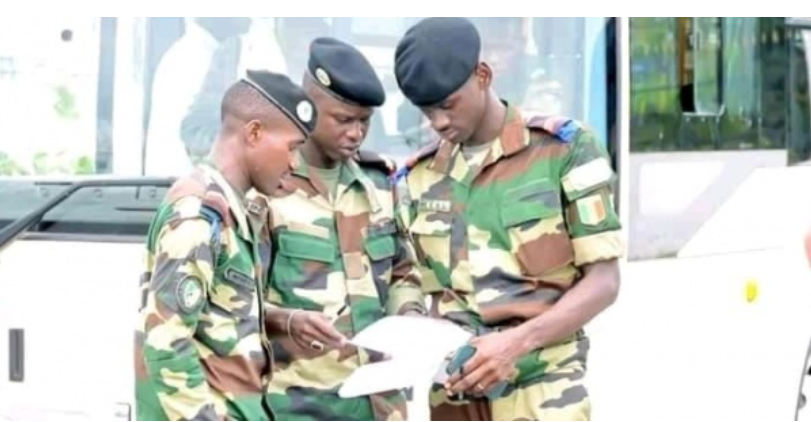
x=418, y=347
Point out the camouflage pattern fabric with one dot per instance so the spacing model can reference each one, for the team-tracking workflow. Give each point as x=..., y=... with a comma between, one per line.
x=502, y=242
x=201, y=350
x=349, y=256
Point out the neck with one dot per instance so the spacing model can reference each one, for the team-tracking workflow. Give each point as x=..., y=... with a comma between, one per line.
x=492, y=123
x=234, y=172
x=315, y=157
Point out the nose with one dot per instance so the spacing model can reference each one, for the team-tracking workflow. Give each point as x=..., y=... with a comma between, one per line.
x=439, y=121
x=355, y=132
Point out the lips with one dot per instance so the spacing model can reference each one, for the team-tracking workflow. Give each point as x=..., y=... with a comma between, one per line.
x=350, y=150
x=449, y=135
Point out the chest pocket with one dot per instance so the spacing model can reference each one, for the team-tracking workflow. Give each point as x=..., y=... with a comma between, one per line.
x=533, y=218
x=380, y=246
x=380, y=242
x=302, y=260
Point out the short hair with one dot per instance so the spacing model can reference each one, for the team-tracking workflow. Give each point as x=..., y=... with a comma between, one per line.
x=245, y=103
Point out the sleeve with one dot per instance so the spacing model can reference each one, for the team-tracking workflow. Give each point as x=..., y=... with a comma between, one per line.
x=588, y=180
x=405, y=291
x=273, y=298
x=176, y=295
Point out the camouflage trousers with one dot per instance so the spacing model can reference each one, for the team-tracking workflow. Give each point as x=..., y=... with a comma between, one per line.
x=558, y=393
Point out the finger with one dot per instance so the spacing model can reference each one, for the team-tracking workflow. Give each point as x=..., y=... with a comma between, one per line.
x=473, y=363
x=302, y=341
x=469, y=367
x=310, y=342
x=469, y=380
x=311, y=332
x=484, y=385
x=324, y=331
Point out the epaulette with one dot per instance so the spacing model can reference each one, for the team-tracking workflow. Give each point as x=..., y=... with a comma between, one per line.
x=377, y=161
x=411, y=162
x=195, y=185
x=560, y=127
x=213, y=207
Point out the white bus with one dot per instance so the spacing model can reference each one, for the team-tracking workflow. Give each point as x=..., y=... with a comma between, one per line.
x=706, y=121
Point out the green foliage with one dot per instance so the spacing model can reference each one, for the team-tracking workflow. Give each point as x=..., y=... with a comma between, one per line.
x=65, y=105
x=8, y=167
x=43, y=163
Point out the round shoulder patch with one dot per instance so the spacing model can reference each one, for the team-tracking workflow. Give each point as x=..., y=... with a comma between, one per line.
x=190, y=294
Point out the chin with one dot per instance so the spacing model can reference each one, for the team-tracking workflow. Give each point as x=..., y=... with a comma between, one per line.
x=342, y=156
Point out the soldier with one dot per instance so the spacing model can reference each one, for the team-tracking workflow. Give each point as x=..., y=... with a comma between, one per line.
x=513, y=219
x=340, y=261
x=202, y=352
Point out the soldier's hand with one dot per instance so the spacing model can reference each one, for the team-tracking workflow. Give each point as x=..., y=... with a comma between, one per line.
x=494, y=362
x=314, y=331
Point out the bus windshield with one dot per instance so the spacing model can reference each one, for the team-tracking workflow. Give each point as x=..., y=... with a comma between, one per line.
x=133, y=97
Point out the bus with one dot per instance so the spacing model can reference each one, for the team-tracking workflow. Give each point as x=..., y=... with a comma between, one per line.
x=706, y=121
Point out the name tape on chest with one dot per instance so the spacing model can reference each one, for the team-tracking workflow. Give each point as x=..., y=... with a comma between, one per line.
x=436, y=205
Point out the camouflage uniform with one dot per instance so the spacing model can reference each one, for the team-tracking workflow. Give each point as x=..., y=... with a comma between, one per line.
x=201, y=348
x=500, y=243
x=329, y=255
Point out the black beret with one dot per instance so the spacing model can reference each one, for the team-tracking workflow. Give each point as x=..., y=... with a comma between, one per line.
x=286, y=95
x=344, y=72
x=436, y=57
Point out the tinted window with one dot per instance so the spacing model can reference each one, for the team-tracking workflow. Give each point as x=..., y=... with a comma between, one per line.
x=103, y=210
x=718, y=84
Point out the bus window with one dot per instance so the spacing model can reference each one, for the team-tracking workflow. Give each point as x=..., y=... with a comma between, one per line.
x=568, y=76
x=49, y=125
x=140, y=96
x=714, y=101
x=48, y=96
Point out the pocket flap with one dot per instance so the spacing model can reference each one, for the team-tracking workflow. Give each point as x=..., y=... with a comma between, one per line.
x=535, y=200
x=380, y=247
x=521, y=212
x=305, y=246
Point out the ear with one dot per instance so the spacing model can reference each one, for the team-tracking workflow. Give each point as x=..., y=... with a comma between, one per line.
x=484, y=75
x=252, y=132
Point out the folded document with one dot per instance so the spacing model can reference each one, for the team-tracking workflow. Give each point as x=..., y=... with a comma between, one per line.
x=418, y=347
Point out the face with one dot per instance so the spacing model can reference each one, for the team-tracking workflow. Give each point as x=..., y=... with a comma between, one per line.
x=271, y=153
x=458, y=117
x=341, y=127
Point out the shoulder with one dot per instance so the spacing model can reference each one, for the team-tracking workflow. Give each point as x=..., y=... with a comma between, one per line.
x=561, y=128
x=372, y=160
x=194, y=201
x=421, y=155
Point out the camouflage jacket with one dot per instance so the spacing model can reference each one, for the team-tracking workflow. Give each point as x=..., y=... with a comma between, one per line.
x=501, y=243
x=201, y=349
x=348, y=260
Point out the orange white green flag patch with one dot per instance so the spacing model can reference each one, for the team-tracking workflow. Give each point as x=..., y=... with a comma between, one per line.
x=591, y=210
